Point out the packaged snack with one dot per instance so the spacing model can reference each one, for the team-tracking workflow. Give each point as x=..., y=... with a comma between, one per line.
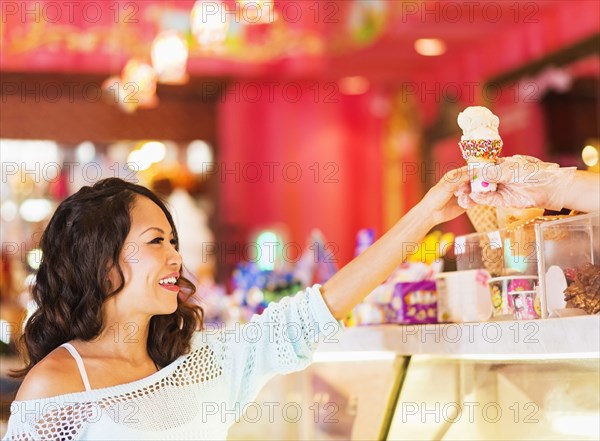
x=526, y=305
x=504, y=290
x=415, y=302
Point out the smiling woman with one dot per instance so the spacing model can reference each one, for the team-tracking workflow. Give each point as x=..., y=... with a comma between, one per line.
x=111, y=262
x=100, y=269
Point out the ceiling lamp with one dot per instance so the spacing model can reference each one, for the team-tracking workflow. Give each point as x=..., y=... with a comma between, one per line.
x=589, y=154
x=209, y=23
x=354, y=85
x=154, y=151
x=35, y=210
x=430, y=47
x=169, y=57
x=113, y=90
x=85, y=152
x=138, y=161
x=200, y=157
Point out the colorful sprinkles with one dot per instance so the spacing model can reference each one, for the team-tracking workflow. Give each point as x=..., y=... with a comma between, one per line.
x=481, y=148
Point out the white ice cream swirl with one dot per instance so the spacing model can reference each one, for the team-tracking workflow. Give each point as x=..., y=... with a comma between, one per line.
x=478, y=122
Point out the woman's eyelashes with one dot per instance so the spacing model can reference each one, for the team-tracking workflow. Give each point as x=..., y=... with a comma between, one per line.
x=158, y=240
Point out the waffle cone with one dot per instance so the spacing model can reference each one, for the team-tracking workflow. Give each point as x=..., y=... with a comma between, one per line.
x=483, y=218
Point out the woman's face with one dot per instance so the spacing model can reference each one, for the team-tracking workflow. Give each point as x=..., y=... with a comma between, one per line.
x=150, y=262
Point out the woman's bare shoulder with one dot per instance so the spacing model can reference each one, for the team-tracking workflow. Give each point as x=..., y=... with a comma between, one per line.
x=56, y=374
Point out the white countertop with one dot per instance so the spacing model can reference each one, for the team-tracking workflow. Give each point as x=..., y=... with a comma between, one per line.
x=561, y=337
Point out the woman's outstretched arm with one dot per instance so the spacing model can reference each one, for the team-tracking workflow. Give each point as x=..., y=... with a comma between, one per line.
x=356, y=280
x=526, y=181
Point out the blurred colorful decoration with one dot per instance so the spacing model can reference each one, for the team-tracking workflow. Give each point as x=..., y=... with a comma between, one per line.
x=318, y=262
x=256, y=287
x=364, y=239
x=432, y=248
x=367, y=20
x=324, y=255
x=269, y=245
x=256, y=11
x=260, y=281
x=169, y=57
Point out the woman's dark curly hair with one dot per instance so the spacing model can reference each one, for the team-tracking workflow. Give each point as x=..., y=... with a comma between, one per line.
x=80, y=246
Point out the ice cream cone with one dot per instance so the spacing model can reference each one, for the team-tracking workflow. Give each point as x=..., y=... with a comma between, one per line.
x=480, y=144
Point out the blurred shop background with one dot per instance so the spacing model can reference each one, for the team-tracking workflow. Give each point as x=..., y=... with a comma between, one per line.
x=311, y=125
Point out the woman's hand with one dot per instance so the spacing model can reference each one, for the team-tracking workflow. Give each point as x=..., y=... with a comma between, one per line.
x=357, y=279
x=523, y=182
x=441, y=203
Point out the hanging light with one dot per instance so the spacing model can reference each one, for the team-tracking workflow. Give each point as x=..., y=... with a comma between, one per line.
x=141, y=79
x=115, y=92
x=209, y=23
x=136, y=87
x=169, y=57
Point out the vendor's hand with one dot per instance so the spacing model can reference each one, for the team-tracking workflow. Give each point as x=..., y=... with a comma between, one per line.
x=440, y=203
x=523, y=182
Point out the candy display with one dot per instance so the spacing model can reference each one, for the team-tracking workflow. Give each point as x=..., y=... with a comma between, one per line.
x=409, y=295
x=480, y=143
x=417, y=292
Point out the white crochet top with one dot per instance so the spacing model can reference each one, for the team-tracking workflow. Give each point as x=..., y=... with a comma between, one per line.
x=198, y=396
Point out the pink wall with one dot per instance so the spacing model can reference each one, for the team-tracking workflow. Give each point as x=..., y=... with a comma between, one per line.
x=342, y=138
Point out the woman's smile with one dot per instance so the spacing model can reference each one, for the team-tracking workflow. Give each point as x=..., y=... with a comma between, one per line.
x=169, y=282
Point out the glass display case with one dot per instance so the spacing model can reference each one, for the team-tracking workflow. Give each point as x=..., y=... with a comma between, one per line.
x=569, y=264
x=509, y=380
x=479, y=399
